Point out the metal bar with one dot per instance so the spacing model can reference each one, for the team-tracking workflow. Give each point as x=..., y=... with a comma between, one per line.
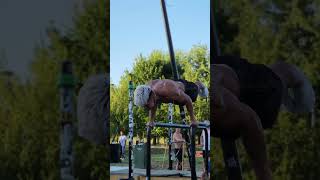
x=193, y=154
x=148, y=169
x=203, y=124
x=185, y=132
x=170, y=117
x=169, y=40
x=174, y=68
x=182, y=126
x=206, y=162
x=130, y=176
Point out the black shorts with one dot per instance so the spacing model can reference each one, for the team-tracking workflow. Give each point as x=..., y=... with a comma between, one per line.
x=204, y=154
x=178, y=153
x=260, y=87
x=191, y=89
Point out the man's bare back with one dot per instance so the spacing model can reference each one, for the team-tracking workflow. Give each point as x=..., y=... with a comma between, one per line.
x=168, y=91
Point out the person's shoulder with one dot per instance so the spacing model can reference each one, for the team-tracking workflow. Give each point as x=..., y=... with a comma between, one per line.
x=175, y=133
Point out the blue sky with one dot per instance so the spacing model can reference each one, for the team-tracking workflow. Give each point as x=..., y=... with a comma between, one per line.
x=137, y=27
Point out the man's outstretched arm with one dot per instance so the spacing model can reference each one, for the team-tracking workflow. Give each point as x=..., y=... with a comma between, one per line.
x=190, y=109
x=152, y=116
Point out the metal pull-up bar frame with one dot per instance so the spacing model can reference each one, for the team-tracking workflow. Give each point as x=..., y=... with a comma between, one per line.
x=192, y=146
x=174, y=70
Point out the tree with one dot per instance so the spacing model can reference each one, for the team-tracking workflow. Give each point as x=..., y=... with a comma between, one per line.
x=30, y=130
x=192, y=65
x=263, y=32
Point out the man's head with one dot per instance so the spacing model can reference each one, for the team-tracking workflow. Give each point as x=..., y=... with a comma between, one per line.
x=121, y=133
x=143, y=96
x=203, y=90
x=178, y=130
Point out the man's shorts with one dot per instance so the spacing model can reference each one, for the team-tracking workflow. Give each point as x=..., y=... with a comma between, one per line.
x=178, y=153
x=260, y=87
x=191, y=89
x=204, y=154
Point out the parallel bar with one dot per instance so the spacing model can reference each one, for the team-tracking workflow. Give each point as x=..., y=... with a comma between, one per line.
x=182, y=126
x=203, y=124
x=170, y=117
x=148, y=169
x=192, y=146
x=206, y=162
x=169, y=39
x=193, y=154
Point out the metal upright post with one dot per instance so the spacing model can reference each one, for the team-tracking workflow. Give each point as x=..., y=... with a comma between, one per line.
x=193, y=152
x=66, y=85
x=206, y=162
x=170, y=117
x=174, y=69
x=148, y=170
x=131, y=125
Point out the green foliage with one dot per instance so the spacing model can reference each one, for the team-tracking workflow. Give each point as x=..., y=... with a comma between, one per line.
x=29, y=113
x=254, y=30
x=192, y=65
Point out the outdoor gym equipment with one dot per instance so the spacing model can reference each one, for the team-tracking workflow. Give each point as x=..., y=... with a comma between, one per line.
x=175, y=73
x=131, y=124
x=173, y=154
x=170, y=118
x=192, y=146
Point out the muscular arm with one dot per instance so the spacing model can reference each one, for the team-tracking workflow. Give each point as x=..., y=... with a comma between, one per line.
x=190, y=109
x=152, y=114
x=240, y=119
x=170, y=92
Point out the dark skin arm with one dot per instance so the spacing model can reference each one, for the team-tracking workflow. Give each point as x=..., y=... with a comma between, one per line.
x=238, y=119
x=152, y=115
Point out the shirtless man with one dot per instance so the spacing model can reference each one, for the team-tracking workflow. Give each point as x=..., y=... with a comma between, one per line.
x=180, y=92
x=178, y=144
